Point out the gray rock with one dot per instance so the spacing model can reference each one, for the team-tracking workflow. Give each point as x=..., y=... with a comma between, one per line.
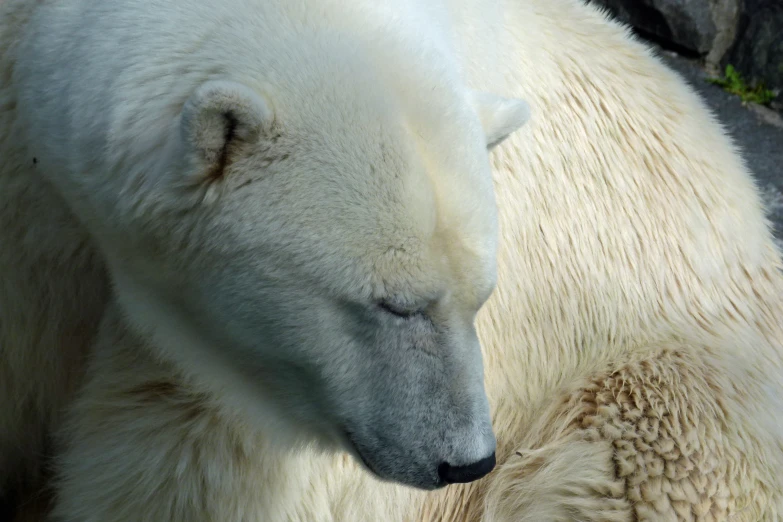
x=726, y=15
x=758, y=52
x=706, y=27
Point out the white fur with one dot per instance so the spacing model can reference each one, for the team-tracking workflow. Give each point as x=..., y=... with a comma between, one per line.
x=632, y=348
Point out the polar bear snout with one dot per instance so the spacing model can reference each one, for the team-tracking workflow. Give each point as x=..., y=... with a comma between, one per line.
x=464, y=474
x=425, y=469
x=427, y=438
x=471, y=458
x=413, y=405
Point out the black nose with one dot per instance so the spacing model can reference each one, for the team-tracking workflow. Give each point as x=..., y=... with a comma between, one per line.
x=461, y=474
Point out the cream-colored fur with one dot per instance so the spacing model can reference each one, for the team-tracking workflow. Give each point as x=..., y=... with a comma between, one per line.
x=632, y=348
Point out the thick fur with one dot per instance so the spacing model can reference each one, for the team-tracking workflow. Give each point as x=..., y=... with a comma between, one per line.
x=632, y=348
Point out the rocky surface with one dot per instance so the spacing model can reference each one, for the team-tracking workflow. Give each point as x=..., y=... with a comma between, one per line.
x=758, y=50
x=692, y=24
x=745, y=33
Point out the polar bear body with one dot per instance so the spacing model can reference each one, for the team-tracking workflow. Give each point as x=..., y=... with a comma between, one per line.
x=632, y=349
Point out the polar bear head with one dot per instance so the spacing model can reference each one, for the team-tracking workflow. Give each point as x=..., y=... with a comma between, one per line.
x=320, y=251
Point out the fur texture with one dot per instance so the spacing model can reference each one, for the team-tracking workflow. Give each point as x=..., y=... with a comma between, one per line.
x=632, y=348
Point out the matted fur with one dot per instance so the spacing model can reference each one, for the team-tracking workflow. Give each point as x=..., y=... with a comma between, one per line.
x=632, y=349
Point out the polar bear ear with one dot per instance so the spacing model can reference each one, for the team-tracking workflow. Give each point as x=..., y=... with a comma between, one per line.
x=217, y=119
x=499, y=116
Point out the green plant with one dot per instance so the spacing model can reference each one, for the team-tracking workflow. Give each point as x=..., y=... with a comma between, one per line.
x=733, y=83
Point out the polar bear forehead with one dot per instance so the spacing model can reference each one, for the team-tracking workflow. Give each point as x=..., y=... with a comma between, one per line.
x=428, y=235
x=407, y=196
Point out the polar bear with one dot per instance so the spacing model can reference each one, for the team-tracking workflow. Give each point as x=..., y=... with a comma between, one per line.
x=631, y=348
